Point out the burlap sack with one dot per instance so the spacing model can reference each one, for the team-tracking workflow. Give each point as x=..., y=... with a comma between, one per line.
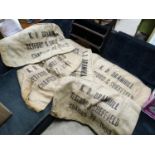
x=85, y=70
x=112, y=76
x=37, y=86
x=63, y=64
x=34, y=44
x=104, y=110
x=37, y=81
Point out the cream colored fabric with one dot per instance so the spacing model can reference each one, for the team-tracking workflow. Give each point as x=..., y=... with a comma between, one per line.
x=85, y=70
x=37, y=86
x=112, y=76
x=104, y=110
x=34, y=44
x=63, y=64
x=37, y=81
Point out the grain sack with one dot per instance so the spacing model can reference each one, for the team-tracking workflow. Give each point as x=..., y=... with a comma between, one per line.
x=104, y=110
x=34, y=44
x=37, y=86
x=112, y=76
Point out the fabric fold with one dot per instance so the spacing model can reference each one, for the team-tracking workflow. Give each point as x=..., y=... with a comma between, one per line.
x=105, y=111
x=34, y=44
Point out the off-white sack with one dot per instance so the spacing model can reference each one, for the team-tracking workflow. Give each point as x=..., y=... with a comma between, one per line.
x=63, y=64
x=34, y=44
x=85, y=70
x=37, y=86
x=112, y=76
x=104, y=110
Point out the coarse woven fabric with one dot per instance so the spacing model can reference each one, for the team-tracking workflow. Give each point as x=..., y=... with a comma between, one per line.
x=34, y=44
x=34, y=81
x=112, y=76
x=104, y=110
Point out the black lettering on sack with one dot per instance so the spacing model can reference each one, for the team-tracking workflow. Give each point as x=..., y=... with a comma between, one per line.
x=100, y=76
x=33, y=46
x=99, y=122
x=84, y=67
x=28, y=47
x=61, y=57
x=52, y=42
x=78, y=99
x=100, y=97
x=101, y=67
x=46, y=81
x=46, y=43
x=107, y=116
x=106, y=130
x=49, y=34
x=107, y=70
x=113, y=85
x=64, y=61
x=107, y=81
x=93, y=117
x=121, y=90
x=36, y=55
x=122, y=80
x=86, y=89
x=112, y=103
x=52, y=63
x=77, y=109
x=29, y=71
x=38, y=75
x=30, y=35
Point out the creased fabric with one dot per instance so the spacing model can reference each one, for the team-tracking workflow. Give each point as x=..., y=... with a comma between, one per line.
x=33, y=44
x=34, y=82
x=118, y=79
x=63, y=64
x=105, y=111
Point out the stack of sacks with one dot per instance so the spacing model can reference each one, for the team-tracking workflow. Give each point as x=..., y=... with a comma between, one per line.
x=84, y=86
x=39, y=81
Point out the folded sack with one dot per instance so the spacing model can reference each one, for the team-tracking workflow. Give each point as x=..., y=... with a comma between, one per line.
x=38, y=82
x=112, y=76
x=34, y=44
x=104, y=110
x=34, y=80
